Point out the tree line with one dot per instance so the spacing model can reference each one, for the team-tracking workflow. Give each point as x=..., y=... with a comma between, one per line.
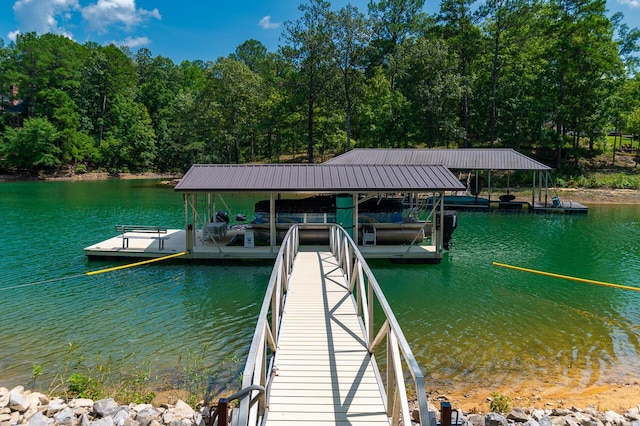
x=541, y=76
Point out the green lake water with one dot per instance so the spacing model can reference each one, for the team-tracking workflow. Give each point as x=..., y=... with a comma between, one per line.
x=468, y=322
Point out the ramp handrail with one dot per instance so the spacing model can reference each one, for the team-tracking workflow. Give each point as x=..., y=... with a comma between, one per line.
x=258, y=368
x=365, y=286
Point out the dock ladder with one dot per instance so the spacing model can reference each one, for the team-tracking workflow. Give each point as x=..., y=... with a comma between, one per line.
x=313, y=354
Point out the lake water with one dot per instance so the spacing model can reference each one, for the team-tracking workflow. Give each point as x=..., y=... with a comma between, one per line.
x=468, y=322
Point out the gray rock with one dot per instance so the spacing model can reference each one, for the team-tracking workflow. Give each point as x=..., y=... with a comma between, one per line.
x=531, y=422
x=105, y=407
x=39, y=419
x=81, y=402
x=561, y=412
x=518, y=415
x=154, y=422
x=570, y=421
x=4, y=400
x=5, y=417
x=84, y=420
x=56, y=405
x=105, y=421
x=545, y=421
x=495, y=419
x=64, y=417
x=476, y=419
x=614, y=418
x=145, y=416
x=183, y=409
x=198, y=420
x=130, y=422
x=18, y=402
x=120, y=416
x=635, y=423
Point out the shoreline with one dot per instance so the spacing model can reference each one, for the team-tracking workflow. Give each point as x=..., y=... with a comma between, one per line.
x=615, y=396
x=582, y=195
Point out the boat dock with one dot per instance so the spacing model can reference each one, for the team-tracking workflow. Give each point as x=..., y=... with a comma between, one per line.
x=142, y=246
x=312, y=359
x=353, y=196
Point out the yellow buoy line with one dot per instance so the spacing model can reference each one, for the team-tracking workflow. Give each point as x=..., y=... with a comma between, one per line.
x=100, y=271
x=567, y=277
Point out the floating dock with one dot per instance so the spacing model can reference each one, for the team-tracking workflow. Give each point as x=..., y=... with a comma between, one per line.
x=144, y=247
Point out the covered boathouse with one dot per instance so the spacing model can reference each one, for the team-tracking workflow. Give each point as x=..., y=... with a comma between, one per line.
x=471, y=162
x=350, y=187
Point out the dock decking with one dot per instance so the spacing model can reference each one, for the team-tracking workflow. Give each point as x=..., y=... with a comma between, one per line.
x=324, y=373
x=143, y=246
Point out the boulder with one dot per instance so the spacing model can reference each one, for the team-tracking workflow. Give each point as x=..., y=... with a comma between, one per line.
x=105, y=421
x=56, y=405
x=518, y=415
x=18, y=401
x=146, y=416
x=65, y=417
x=81, y=402
x=495, y=419
x=105, y=407
x=121, y=416
x=614, y=418
x=39, y=419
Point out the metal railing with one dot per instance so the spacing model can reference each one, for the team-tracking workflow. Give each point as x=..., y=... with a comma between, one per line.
x=259, y=368
x=366, y=291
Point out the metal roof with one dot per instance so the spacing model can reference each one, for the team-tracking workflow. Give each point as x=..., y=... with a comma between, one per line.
x=455, y=159
x=317, y=178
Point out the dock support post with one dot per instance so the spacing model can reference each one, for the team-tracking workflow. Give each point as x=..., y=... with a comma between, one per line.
x=223, y=411
x=445, y=413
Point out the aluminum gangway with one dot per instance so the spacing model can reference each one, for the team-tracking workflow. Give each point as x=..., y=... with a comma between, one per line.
x=313, y=357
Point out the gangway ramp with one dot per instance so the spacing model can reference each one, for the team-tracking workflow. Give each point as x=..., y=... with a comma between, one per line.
x=324, y=372
x=313, y=354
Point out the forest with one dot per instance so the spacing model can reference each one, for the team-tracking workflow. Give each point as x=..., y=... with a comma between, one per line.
x=550, y=78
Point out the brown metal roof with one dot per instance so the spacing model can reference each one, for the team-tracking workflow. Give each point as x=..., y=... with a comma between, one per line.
x=317, y=178
x=454, y=159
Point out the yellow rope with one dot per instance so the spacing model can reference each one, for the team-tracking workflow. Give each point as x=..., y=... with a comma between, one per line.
x=115, y=268
x=130, y=265
x=566, y=277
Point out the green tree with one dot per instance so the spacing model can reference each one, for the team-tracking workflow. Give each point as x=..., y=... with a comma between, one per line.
x=129, y=143
x=311, y=50
x=433, y=88
x=351, y=34
x=157, y=88
x=460, y=31
x=31, y=148
x=237, y=90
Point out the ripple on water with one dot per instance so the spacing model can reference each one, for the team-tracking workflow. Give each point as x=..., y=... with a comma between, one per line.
x=463, y=318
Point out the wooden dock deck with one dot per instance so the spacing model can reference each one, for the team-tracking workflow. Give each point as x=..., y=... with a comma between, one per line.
x=144, y=246
x=324, y=373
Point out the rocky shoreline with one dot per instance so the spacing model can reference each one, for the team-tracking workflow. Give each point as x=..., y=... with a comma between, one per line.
x=24, y=407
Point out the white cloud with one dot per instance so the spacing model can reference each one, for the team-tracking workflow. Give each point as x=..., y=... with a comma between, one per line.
x=631, y=3
x=105, y=13
x=42, y=16
x=13, y=35
x=266, y=23
x=133, y=42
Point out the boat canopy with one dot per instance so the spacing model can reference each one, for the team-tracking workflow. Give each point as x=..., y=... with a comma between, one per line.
x=453, y=159
x=325, y=178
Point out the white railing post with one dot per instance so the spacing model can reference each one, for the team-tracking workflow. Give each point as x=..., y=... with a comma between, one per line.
x=362, y=281
x=256, y=371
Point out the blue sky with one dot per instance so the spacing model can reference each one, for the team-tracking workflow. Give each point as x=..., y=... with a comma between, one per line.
x=181, y=30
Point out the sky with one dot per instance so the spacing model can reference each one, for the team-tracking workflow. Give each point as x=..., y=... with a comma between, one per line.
x=182, y=30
